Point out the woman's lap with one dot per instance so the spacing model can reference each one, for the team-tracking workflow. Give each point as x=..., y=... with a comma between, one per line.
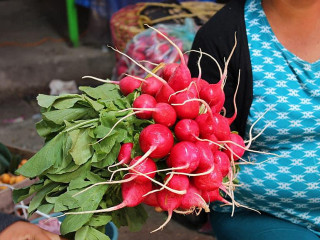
x=249, y=225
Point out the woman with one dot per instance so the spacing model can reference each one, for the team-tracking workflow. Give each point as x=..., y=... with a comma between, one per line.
x=15, y=228
x=278, y=54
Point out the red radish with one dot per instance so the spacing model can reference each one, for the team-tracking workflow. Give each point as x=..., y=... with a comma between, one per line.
x=206, y=159
x=189, y=109
x=124, y=156
x=151, y=199
x=168, y=70
x=132, y=195
x=214, y=195
x=151, y=86
x=164, y=93
x=187, y=130
x=235, y=147
x=222, y=161
x=177, y=182
x=205, y=125
x=218, y=106
x=213, y=95
x=164, y=114
x=127, y=84
x=144, y=101
x=221, y=127
x=147, y=167
x=208, y=182
x=184, y=155
x=181, y=78
x=213, y=142
x=169, y=201
x=194, y=89
x=156, y=139
x=200, y=83
x=214, y=124
x=193, y=199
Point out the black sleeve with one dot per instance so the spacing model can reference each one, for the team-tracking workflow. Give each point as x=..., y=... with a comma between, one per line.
x=217, y=38
x=7, y=219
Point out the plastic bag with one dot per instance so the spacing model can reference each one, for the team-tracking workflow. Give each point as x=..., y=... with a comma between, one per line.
x=150, y=48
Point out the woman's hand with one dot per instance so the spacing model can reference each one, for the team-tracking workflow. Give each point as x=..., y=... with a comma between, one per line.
x=27, y=231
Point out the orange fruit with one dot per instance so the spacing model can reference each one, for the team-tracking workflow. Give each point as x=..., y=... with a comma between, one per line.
x=12, y=180
x=20, y=178
x=23, y=161
x=5, y=178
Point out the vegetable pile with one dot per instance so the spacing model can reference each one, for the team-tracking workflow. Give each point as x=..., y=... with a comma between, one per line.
x=8, y=164
x=162, y=141
x=151, y=48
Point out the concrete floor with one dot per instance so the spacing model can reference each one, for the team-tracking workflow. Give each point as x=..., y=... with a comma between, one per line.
x=34, y=48
x=30, y=57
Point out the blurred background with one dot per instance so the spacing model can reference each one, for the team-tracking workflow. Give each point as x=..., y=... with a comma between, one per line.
x=47, y=46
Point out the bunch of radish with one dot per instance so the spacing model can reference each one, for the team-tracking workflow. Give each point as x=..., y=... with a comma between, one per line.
x=190, y=153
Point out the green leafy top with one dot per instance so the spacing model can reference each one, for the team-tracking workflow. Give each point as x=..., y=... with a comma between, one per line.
x=76, y=155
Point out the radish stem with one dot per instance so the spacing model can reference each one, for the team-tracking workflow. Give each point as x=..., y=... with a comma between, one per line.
x=184, y=212
x=81, y=124
x=206, y=207
x=144, y=68
x=119, y=121
x=135, y=164
x=182, y=192
x=135, y=77
x=207, y=54
x=207, y=140
x=159, y=189
x=194, y=174
x=224, y=75
x=101, y=80
x=165, y=223
x=103, y=183
x=231, y=119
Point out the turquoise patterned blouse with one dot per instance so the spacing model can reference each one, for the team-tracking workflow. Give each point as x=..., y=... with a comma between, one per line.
x=288, y=87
